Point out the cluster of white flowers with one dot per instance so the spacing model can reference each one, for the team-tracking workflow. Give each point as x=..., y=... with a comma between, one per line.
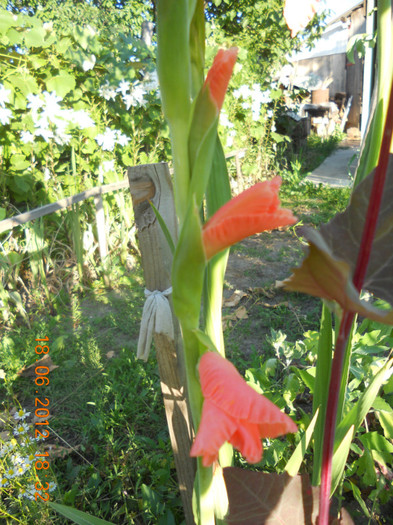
x=51, y=121
x=106, y=167
x=224, y=121
x=110, y=138
x=17, y=458
x=131, y=94
x=257, y=97
x=5, y=113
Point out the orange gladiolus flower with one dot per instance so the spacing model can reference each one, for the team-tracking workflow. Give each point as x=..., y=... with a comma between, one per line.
x=218, y=76
x=234, y=412
x=255, y=210
x=298, y=13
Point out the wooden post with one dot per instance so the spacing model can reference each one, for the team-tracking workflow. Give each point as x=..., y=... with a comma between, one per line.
x=101, y=230
x=152, y=182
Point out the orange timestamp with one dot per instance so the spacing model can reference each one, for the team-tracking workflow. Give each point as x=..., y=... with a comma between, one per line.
x=42, y=411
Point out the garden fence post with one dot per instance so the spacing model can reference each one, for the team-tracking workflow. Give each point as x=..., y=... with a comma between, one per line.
x=101, y=228
x=152, y=182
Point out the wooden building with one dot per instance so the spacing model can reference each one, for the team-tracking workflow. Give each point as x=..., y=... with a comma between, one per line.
x=327, y=66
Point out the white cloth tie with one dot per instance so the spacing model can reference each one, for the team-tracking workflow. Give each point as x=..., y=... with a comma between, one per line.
x=156, y=318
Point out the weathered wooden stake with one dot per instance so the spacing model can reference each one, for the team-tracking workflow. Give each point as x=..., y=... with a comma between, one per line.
x=152, y=182
x=101, y=228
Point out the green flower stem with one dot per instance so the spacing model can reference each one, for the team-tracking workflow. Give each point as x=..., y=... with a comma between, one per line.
x=348, y=317
x=179, y=139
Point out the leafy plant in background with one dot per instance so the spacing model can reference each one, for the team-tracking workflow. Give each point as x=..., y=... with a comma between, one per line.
x=70, y=88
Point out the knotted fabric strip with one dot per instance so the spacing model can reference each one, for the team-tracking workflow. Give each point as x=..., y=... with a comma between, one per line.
x=156, y=318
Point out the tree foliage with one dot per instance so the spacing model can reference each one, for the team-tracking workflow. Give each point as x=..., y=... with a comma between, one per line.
x=259, y=27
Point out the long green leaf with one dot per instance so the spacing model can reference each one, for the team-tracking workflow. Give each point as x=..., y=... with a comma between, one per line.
x=359, y=411
x=164, y=228
x=295, y=461
x=321, y=388
x=353, y=420
x=340, y=459
x=77, y=516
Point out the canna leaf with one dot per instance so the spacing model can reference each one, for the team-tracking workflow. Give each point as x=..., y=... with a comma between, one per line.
x=343, y=235
x=272, y=499
x=323, y=275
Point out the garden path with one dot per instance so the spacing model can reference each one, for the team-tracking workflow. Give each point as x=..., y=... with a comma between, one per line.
x=338, y=169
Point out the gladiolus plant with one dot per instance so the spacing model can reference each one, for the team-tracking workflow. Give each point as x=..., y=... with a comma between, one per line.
x=225, y=410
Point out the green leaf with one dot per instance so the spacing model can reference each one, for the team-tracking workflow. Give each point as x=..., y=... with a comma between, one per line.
x=164, y=228
x=217, y=194
x=307, y=376
x=189, y=259
x=322, y=380
x=386, y=420
x=37, y=61
x=77, y=516
x=340, y=458
x=275, y=94
x=202, y=143
x=358, y=496
x=19, y=162
x=25, y=83
x=173, y=58
x=3, y=213
x=355, y=417
x=7, y=20
x=35, y=37
x=295, y=461
x=61, y=84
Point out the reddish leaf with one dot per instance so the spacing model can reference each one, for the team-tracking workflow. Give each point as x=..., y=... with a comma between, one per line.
x=323, y=275
x=273, y=499
x=343, y=235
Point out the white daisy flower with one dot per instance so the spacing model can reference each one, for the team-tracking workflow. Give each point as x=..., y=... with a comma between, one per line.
x=21, y=413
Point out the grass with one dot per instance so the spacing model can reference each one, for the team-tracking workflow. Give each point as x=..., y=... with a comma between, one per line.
x=111, y=452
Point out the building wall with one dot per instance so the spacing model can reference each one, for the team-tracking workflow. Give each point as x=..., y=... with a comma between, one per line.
x=325, y=67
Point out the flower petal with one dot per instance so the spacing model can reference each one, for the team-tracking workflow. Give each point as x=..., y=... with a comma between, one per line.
x=261, y=196
x=247, y=439
x=215, y=428
x=255, y=210
x=223, y=385
x=218, y=76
